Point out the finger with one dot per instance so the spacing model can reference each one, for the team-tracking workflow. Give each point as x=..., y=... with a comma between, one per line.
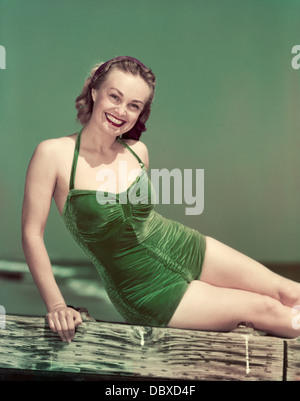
x=59, y=329
x=70, y=325
x=77, y=319
x=65, y=334
x=51, y=324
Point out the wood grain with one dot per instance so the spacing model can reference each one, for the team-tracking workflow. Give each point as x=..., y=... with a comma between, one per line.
x=137, y=352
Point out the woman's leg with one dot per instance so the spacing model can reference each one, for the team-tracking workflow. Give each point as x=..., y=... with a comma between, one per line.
x=226, y=267
x=211, y=308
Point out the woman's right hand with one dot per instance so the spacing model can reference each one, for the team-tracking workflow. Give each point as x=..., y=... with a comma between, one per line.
x=63, y=320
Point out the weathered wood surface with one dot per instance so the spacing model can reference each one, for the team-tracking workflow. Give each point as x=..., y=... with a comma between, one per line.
x=292, y=360
x=123, y=351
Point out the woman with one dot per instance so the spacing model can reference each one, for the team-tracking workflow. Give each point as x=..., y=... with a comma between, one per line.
x=156, y=271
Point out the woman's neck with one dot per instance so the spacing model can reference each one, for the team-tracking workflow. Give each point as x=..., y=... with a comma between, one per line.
x=95, y=139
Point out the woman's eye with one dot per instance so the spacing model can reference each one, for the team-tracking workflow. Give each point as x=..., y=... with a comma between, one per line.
x=134, y=106
x=115, y=97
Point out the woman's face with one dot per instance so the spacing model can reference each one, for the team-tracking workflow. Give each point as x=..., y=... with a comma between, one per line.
x=119, y=102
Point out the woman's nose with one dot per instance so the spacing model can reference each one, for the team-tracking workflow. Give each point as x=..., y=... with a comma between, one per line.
x=121, y=110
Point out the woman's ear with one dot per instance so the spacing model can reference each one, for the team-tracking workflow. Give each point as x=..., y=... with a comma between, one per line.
x=94, y=94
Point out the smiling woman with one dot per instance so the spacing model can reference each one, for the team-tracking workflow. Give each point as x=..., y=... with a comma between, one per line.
x=134, y=69
x=115, y=102
x=156, y=271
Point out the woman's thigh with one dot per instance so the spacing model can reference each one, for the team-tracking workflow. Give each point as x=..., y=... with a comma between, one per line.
x=210, y=308
x=226, y=267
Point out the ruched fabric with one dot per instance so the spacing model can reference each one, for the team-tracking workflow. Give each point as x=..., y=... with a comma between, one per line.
x=145, y=261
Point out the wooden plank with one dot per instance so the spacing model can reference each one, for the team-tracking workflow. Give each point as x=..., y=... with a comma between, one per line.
x=292, y=361
x=138, y=352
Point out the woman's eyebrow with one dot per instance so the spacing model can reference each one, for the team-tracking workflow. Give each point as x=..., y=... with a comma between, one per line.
x=121, y=94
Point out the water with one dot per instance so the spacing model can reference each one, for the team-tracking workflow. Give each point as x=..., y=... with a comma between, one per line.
x=80, y=285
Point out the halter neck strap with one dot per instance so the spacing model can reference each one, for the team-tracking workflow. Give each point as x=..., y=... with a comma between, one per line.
x=75, y=158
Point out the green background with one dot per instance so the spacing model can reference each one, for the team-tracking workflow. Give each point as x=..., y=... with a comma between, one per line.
x=227, y=101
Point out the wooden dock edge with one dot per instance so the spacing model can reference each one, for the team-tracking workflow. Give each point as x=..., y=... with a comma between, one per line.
x=29, y=350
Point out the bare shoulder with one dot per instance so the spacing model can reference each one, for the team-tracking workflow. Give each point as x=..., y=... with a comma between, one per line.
x=52, y=149
x=55, y=144
x=140, y=149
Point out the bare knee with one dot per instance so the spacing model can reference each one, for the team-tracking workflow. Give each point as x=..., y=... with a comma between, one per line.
x=289, y=293
x=266, y=310
x=272, y=306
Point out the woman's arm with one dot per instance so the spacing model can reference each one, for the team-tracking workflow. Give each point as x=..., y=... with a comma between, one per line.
x=39, y=188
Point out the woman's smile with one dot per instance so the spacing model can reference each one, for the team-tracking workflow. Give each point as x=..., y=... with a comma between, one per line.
x=116, y=122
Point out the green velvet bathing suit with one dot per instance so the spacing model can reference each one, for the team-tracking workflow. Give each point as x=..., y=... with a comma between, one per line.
x=145, y=261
